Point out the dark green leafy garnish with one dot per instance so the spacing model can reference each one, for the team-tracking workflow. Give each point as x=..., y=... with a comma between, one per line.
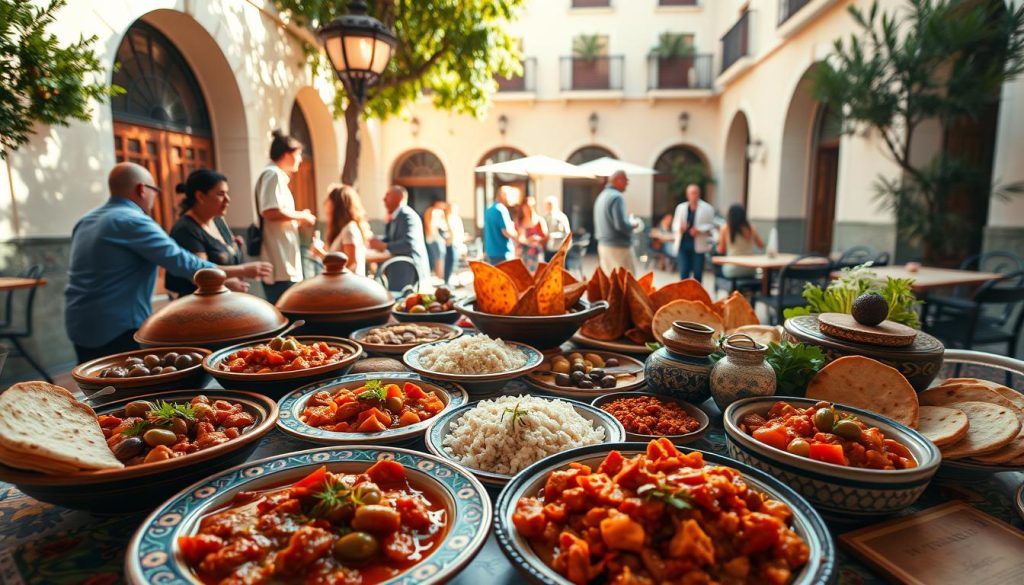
x=136, y=429
x=678, y=498
x=166, y=411
x=336, y=495
x=374, y=391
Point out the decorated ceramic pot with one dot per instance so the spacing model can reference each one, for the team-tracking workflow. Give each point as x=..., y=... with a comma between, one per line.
x=681, y=369
x=742, y=373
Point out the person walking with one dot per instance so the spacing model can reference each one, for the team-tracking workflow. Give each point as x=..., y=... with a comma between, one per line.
x=403, y=236
x=693, y=222
x=533, y=234
x=499, y=230
x=612, y=228
x=558, y=227
x=201, y=229
x=455, y=245
x=435, y=231
x=738, y=238
x=280, y=221
x=347, y=228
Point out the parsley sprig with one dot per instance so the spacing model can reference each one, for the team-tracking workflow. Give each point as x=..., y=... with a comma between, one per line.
x=677, y=498
x=374, y=391
x=336, y=495
x=166, y=411
x=517, y=416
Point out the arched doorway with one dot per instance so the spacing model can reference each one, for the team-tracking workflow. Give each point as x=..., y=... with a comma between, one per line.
x=161, y=121
x=486, y=184
x=676, y=168
x=825, y=178
x=578, y=195
x=736, y=170
x=796, y=159
x=422, y=174
x=303, y=181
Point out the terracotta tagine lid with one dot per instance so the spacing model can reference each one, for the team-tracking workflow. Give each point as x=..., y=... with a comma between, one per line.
x=212, y=316
x=335, y=291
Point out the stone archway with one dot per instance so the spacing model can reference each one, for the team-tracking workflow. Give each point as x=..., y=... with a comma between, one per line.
x=487, y=184
x=326, y=167
x=795, y=167
x=578, y=195
x=676, y=167
x=423, y=175
x=735, y=187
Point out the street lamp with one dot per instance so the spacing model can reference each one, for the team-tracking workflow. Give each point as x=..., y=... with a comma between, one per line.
x=502, y=124
x=592, y=123
x=359, y=47
x=684, y=121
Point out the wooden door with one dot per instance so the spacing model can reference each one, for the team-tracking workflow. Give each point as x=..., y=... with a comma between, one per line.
x=823, y=206
x=303, y=187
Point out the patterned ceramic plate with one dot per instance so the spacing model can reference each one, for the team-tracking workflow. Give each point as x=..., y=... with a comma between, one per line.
x=807, y=523
x=624, y=346
x=545, y=380
x=475, y=383
x=293, y=403
x=1020, y=500
x=447, y=332
x=153, y=556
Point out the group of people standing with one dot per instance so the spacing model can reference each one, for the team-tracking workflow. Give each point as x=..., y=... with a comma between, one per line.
x=446, y=238
x=531, y=236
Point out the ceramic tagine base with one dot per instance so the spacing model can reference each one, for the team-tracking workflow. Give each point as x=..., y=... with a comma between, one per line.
x=681, y=368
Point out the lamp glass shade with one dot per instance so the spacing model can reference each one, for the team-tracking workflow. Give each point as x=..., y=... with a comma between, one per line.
x=365, y=54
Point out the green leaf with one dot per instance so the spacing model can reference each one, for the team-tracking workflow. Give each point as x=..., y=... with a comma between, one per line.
x=794, y=364
x=374, y=391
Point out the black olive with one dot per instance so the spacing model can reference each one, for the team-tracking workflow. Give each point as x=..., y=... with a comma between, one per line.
x=128, y=448
x=184, y=361
x=563, y=380
x=611, y=362
x=586, y=384
x=576, y=376
x=137, y=371
x=597, y=372
x=169, y=358
x=608, y=382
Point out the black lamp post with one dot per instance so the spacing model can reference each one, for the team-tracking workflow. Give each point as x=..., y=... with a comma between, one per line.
x=359, y=47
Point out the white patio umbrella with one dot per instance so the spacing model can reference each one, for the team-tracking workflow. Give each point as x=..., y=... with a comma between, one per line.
x=606, y=167
x=537, y=166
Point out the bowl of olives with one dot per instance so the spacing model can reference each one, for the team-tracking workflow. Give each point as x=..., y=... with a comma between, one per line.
x=144, y=370
x=438, y=307
x=582, y=374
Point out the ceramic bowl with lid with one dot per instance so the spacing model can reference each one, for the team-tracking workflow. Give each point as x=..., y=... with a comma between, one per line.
x=337, y=301
x=212, y=317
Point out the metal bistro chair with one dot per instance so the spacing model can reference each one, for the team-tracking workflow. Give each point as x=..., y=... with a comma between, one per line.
x=855, y=256
x=574, y=257
x=14, y=333
x=882, y=259
x=382, y=276
x=790, y=283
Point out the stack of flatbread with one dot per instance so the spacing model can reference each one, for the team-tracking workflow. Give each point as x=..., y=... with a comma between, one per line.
x=974, y=419
x=44, y=428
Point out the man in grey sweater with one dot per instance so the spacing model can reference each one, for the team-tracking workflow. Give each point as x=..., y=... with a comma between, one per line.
x=612, y=228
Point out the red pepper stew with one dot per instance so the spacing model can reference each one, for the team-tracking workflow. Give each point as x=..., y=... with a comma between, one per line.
x=328, y=528
x=660, y=517
x=824, y=434
x=371, y=408
x=281, y=356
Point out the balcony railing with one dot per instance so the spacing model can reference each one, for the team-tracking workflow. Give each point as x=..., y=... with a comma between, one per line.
x=736, y=42
x=788, y=8
x=689, y=72
x=678, y=2
x=525, y=82
x=598, y=73
x=591, y=3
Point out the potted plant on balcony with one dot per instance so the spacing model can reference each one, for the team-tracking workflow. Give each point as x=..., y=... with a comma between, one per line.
x=675, y=55
x=589, y=63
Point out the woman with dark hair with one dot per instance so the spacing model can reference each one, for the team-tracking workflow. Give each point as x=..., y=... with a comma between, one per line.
x=737, y=238
x=201, y=230
x=279, y=218
x=347, y=228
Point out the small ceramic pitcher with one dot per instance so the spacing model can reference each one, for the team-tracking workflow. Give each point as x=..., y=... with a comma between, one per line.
x=681, y=369
x=742, y=372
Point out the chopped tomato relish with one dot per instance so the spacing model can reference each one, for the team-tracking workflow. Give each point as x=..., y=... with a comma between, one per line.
x=370, y=408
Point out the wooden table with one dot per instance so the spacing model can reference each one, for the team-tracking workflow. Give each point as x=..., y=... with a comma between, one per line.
x=377, y=256
x=17, y=283
x=763, y=261
x=927, y=278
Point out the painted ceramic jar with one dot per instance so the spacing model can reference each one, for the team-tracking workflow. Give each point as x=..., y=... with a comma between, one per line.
x=742, y=372
x=681, y=368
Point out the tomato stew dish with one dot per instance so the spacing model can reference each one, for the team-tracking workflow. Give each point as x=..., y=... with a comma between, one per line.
x=351, y=529
x=371, y=408
x=825, y=434
x=647, y=415
x=145, y=432
x=281, y=355
x=660, y=517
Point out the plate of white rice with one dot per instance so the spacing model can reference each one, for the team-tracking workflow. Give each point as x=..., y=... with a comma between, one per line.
x=474, y=359
x=497, y=438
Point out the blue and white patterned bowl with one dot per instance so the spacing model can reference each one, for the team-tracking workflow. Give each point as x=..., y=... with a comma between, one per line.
x=153, y=556
x=820, y=568
x=845, y=494
x=293, y=403
x=475, y=383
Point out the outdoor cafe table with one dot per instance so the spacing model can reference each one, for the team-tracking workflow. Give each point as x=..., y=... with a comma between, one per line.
x=44, y=544
x=763, y=261
x=8, y=283
x=927, y=278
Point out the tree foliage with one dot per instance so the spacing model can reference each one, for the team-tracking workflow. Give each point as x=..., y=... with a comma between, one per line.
x=928, y=60
x=40, y=80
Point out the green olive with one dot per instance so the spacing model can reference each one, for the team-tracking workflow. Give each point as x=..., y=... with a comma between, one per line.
x=179, y=426
x=395, y=404
x=154, y=437
x=202, y=410
x=139, y=408
x=369, y=493
x=290, y=345
x=377, y=518
x=824, y=418
x=799, y=447
x=355, y=546
x=847, y=429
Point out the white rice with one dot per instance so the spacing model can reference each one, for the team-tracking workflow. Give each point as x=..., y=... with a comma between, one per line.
x=480, y=439
x=472, y=354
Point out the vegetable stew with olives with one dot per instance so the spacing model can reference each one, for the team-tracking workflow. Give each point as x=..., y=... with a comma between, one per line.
x=371, y=408
x=282, y=355
x=823, y=433
x=145, y=432
x=152, y=364
x=356, y=529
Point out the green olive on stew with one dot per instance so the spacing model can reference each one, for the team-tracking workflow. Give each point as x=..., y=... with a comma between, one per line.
x=377, y=518
x=799, y=447
x=847, y=429
x=355, y=546
x=202, y=410
x=139, y=408
x=368, y=493
x=395, y=404
x=154, y=437
x=824, y=419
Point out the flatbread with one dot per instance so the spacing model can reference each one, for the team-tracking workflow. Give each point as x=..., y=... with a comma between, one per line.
x=681, y=290
x=641, y=309
x=991, y=427
x=1008, y=393
x=695, y=311
x=495, y=292
x=946, y=395
x=942, y=425
x=1007, y=452
x=763, y=334
x=737, y=312
x=869, y=384
x=46, y=423
x=573, y=293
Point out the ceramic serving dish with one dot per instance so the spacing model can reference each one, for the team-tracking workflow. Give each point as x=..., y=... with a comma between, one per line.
x=141, y=486
x=449, y=317
x=441, y=426
x=450, y=332
x=807, y=523
x=292, y=405
x=277, y=383
x=544, y=379
x=842, y=493
x=475, y=383
x=87, y=375
x=154, y=557
x=622, y=345
x=539, y=331
x=678, y=439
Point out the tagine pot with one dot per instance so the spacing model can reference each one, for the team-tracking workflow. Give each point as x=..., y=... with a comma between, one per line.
x=681, y=368
x=742, y=373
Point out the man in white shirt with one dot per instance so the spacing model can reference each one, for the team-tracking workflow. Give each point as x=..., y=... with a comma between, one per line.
x=692, y=224
x=558, y=227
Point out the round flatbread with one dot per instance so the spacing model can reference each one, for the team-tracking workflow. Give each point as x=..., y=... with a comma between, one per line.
x=942, y=425
x=695, y=311
x=869, y=384
x=946, y=395
x=1004, y=454
x=1008, y=393
x=991, y=427
x=763, y=334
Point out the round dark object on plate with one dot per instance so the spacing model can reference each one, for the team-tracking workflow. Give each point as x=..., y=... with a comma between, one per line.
x=138, y=370
x=128, y=448
x=577, y=376
x=169, y=369
x=870, y=309
x=157, y=370
x=132, y=361
x=442, y=294
x=169, y=358
x=608, y=381
x=183, y=361
x=196, y=357
x=586, y=384
x=597, y=372
x=563, y=380
x=151, y=361
x=611, y=362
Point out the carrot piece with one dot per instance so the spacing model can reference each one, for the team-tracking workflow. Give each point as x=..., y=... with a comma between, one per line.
x=828, y=453
x=414, y=392
x=386, y=471
x=393, y=391
x=622, y=532
x=773, y=436
x=371, y=425
x=408, y=418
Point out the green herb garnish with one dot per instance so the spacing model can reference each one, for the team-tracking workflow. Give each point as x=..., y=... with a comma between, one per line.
x=839, y=295
x=677, y=498
x=653, y=345
x=517, y=416
x=136, y=429
x=166, y=411
x=336, y=495
x=374, y=391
